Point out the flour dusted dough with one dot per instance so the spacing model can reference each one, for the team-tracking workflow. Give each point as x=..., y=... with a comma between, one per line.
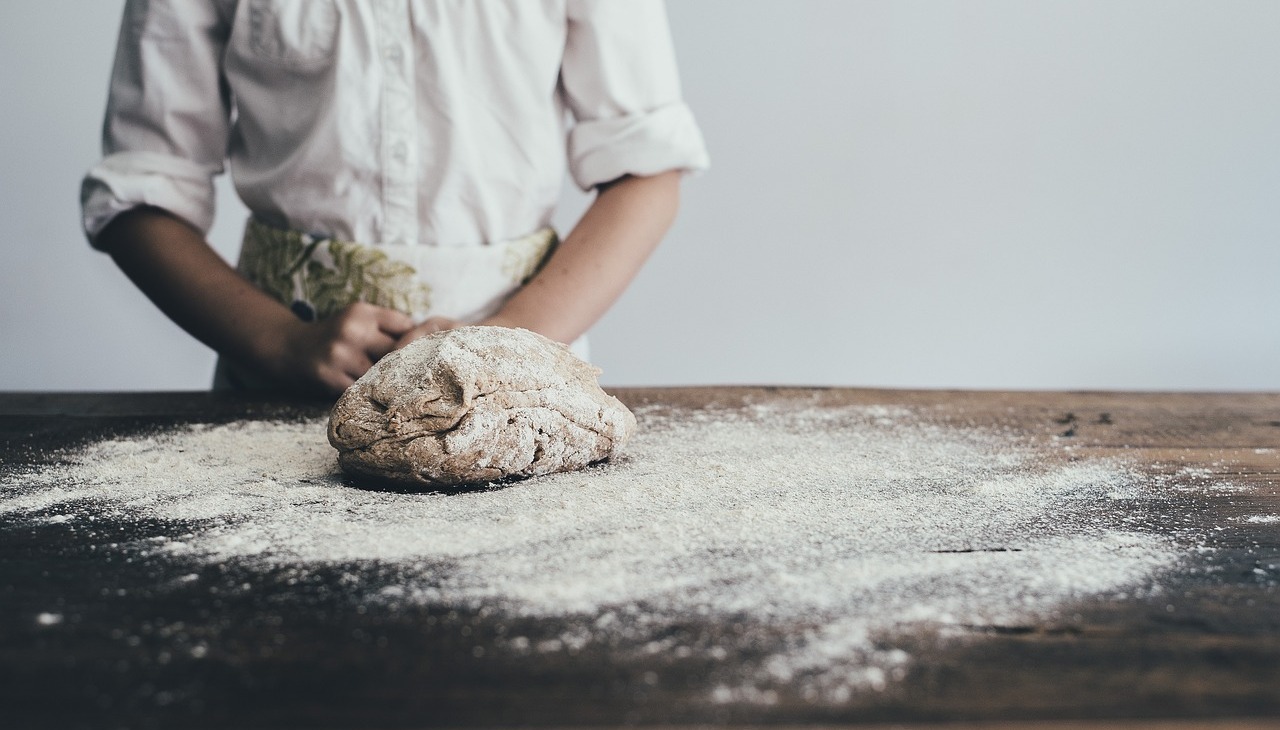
x=476, y=404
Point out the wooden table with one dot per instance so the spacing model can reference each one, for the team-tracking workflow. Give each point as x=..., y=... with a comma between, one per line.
x=306, y=658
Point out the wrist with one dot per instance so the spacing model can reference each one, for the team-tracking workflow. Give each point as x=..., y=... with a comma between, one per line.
x=548, y=328
x=504, y=319
x=270, y=341
x=520, y=314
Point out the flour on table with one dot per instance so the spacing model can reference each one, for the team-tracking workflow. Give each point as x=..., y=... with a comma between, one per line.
x=819, y=534
x=476, y=404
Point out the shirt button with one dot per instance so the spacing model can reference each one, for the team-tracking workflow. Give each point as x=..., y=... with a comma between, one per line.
x=400, y=151
x=395, y=55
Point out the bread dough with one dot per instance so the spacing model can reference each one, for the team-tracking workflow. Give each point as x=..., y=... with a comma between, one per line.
x=476, y=404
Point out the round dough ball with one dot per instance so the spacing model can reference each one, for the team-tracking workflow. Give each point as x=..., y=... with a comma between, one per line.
x=476, y=404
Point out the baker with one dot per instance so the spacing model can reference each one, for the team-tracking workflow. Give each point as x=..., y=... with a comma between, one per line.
x=401, y=160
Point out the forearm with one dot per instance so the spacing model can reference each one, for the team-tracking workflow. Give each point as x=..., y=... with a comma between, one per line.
x=598, y=259
x=172, y=264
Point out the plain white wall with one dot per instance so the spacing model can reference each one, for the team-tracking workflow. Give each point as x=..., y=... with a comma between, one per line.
x=978, y=193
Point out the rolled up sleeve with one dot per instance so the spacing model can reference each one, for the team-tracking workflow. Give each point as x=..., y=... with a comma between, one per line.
x=621, y=84
x=168, y=116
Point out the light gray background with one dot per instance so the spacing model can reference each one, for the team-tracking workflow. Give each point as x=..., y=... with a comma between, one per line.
x=1006, y=194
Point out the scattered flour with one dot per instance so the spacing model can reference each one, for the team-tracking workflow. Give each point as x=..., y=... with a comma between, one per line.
x=826, y=530
x=48, y=619
x=1263, y=519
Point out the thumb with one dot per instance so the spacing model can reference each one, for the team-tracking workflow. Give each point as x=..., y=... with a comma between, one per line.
x=393, y=322
x=429, y=326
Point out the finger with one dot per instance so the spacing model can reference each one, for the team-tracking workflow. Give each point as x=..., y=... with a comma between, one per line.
x=348, y=359
x=410, y=336
x=335, y=381
x=393, y=322
x=439, y=323
x=430, y=326
x=339, y=383
x=379, y=344
x=356, y=365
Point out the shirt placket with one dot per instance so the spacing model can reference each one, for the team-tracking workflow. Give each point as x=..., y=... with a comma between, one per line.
x=398, y=124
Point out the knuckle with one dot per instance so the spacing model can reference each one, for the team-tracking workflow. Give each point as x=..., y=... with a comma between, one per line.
x=318, y=373
x=333, y=351
x=349, y=327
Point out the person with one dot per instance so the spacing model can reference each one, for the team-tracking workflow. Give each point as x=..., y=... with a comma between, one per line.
x=401, y=161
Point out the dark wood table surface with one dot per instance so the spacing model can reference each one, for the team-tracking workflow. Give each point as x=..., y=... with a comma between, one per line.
x=1128, y=663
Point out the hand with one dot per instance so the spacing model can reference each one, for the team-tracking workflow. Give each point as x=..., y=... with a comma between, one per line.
x=595, y=263
x=331, y=353
x=430, y=325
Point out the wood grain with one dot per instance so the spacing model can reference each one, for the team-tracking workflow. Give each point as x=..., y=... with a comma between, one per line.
x=1204, y=654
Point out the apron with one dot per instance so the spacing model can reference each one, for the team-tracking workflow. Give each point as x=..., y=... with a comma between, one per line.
x=317, y=277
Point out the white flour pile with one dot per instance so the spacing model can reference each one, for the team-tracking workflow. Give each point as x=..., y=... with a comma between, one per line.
x=828, y=530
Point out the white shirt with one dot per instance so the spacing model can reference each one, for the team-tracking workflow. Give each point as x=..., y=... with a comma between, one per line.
x=439, y=122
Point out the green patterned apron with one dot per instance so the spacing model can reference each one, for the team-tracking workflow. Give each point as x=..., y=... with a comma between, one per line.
x=317, y=277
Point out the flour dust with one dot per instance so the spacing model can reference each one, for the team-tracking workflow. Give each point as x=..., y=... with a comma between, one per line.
x=826, y=530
